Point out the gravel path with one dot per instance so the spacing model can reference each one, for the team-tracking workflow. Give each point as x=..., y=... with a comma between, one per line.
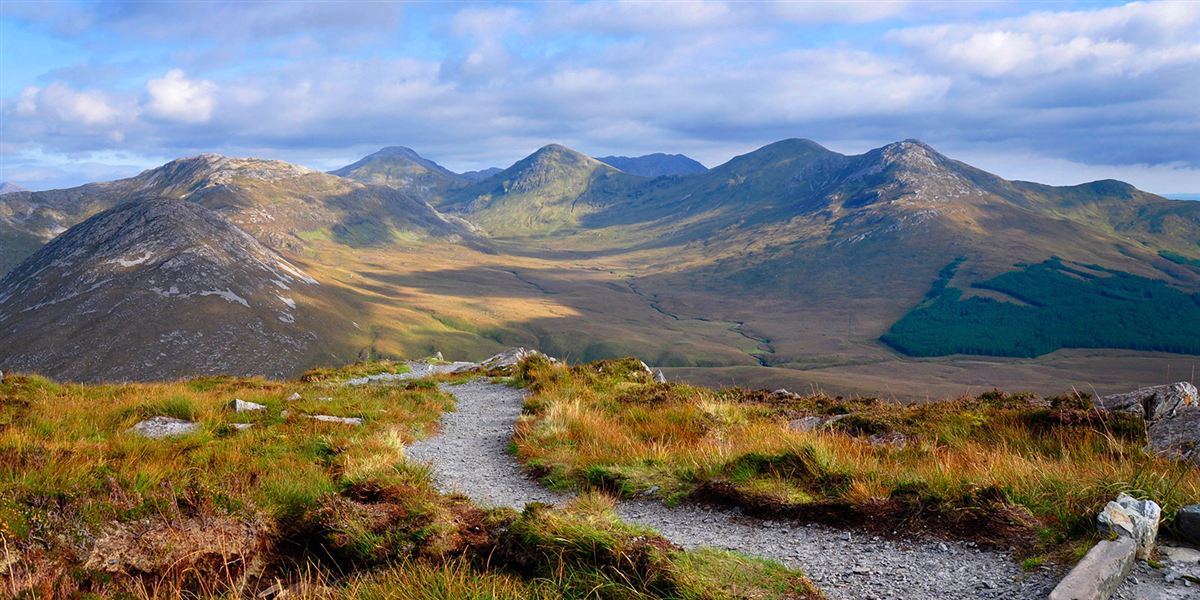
x=471, y=456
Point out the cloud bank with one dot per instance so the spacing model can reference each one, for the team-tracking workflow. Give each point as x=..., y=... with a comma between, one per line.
x=1012, y=87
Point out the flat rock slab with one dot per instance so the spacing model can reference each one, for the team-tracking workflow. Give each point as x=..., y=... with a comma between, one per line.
x=332, y=419
x=161, y=427
x=1100, y=573
x=471, y=455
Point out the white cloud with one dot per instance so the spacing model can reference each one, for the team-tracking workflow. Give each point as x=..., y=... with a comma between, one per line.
x=1130, y=39
x=67, y=105
x=174, y=97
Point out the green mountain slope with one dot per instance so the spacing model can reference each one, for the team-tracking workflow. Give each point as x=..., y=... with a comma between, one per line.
x=552, y=189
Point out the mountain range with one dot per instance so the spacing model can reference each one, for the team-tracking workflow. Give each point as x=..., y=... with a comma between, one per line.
x=791, y=262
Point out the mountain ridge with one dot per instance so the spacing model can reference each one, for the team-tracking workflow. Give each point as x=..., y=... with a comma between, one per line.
x=205, y=296
x=655, y=165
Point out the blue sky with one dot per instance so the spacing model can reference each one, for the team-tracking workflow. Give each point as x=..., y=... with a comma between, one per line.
x=1055, y=92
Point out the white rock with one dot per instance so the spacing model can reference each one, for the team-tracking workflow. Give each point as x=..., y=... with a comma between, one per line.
x=659, y=377
x=295, y=396
x=1132, y=518
x=239, y=405
x=332, y=419
x=161, y=427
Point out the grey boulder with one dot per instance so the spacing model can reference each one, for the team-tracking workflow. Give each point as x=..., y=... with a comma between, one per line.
x=1187, y=521
x=1134, y=519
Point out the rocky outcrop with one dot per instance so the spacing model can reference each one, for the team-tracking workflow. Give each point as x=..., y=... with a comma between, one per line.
x=505, y=363
x=1172, y=415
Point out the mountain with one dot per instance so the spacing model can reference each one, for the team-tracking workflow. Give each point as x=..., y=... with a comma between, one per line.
x=480, y=175
x=154, y=289
x=401, y=168
x=655, y=165
x=549, y=190
x=6, y=187
x=789, y=265
x=279, y=203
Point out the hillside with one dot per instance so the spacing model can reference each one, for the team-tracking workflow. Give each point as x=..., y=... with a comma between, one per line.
x=157, y=289
x=655, y=165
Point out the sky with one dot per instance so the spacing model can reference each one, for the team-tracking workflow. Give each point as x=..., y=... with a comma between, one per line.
x=1056, y=92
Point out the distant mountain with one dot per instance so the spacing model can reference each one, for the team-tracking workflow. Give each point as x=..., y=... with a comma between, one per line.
x=549, y=190
x=277, y=202
x=655, y=165
x=480, y=175
x=155, y=289
x=402, y=168
x=1184, y=196
x=790, y=255
x=6, y=188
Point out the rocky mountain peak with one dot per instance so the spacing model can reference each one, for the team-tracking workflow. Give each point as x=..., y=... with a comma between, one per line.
x=193, y=173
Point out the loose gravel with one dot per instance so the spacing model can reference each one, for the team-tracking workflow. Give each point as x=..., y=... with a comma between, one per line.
x=471, y=455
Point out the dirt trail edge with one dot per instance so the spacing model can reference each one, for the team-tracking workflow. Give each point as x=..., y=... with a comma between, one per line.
x=471, y=456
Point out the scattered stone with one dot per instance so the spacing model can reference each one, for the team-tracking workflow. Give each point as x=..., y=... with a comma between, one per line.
x=239, y=405
x=659, y=377
x=1172, y=415
x=161, y=427
x=295, y=396
x=813, y=422
x=1, y=376
x=438, y=357
x=1134, y=519
x=1187, y=522
x=332, y=419
x=241, y=426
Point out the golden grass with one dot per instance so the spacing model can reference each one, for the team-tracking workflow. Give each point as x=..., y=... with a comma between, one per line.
x=325, y=509
x=1057, y=460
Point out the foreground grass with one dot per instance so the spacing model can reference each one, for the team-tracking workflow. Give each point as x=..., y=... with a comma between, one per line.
x=1007, y=470
x=325, y=510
